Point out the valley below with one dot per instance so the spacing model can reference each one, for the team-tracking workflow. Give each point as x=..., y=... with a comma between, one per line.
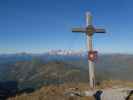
x=36, y=72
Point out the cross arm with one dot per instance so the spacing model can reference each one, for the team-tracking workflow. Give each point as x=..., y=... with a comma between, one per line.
x=83, y=30
x=100, y=30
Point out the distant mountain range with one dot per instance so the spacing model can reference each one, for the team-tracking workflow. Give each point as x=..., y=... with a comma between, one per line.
x=66, y=52
x=59, y=66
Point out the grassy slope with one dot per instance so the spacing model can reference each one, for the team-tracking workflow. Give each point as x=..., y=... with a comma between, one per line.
x=57, y=92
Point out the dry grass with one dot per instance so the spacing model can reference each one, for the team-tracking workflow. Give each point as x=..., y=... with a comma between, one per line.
x=115, y=83
x=57, y=92
x=54, y=93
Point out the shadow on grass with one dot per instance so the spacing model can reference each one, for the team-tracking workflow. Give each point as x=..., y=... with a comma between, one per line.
x=10, y=89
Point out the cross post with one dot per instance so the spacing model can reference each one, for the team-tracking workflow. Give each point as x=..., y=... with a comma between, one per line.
x=90, y=30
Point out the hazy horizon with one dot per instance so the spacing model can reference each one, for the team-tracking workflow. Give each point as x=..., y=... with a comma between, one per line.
x=43, y=52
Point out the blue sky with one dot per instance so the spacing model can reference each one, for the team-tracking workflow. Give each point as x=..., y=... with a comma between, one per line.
x=40, y=25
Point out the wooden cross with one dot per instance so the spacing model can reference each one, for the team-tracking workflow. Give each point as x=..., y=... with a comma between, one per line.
x=90, y=30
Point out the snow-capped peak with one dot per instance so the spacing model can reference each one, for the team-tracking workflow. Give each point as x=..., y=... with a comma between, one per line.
x=65, y=52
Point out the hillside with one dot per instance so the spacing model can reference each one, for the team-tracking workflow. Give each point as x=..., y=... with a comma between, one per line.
x=37, y=73
x=33, y=72
x=63, y=92
x=53, y=92
x=41, y=71
x=36, y=70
